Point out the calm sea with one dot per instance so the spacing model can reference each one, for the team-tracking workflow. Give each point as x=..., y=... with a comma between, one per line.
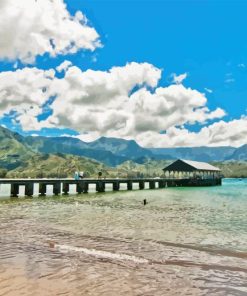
x=185, y=241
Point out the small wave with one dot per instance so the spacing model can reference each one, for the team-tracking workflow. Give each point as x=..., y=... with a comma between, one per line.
x=208, y=249
x=102, y=254
x=139, y=260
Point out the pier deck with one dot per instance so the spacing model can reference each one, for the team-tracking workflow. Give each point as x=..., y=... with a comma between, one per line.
x=61, y=186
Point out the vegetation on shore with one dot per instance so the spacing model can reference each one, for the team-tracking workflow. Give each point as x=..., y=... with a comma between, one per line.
x=38, y=157
x=63, y=165
x=233, y=169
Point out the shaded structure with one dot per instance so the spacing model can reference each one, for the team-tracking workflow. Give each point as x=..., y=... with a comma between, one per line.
x=201, y=172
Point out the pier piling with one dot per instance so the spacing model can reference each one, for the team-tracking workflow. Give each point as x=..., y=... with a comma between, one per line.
x=57, y=188
x=85, y=187
x=79, y=188
x=82, y=186
x=14, y=190
x=162, y=184
x=152, y=185
x=141, y=185
x=29, y=189
x=42, y=189
x=116, y=186
x=100, y=186
x=129, y=185
x=65, y=188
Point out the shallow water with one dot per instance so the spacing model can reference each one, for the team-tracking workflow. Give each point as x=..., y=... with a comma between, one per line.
x=185, y=241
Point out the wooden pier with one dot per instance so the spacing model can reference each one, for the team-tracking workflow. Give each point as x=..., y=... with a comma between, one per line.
x=62, y=186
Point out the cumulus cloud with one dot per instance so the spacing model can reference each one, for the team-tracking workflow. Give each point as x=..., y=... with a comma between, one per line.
x=123, y=102
x=25, y=92
x=23, y=88
x=29, y=28
x=232, y=133
x=178, y=79
x=64, y=66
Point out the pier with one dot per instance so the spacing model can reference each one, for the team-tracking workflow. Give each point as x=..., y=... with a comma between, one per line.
x=62, y=186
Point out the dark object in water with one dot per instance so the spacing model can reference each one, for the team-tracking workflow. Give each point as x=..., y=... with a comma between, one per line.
x=144, y=201
x=51, y=244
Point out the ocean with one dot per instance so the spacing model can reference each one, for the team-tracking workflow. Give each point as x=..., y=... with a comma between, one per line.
x=184, y=241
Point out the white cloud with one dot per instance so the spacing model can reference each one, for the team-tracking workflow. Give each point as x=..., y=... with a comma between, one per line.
x=232, y=133
x=178, y=79
x=208, y=90
x=30, y=28
x=78, y=93
x=64, y=66
x=114, y=103
x=24, y=88
x=25, y=91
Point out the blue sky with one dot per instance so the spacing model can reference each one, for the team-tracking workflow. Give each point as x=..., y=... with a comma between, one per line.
x=205, y=39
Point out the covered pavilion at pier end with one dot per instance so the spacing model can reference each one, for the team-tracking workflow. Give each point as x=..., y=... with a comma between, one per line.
x=187, y=169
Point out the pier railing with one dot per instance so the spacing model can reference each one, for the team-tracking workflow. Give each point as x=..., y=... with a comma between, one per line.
x=62, y=186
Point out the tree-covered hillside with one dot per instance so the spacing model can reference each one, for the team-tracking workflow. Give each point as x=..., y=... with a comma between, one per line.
x=61, y=157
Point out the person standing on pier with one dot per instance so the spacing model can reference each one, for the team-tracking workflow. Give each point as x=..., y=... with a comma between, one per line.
x=76, y=176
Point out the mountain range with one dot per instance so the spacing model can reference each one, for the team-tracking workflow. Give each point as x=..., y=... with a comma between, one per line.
x=16, y=149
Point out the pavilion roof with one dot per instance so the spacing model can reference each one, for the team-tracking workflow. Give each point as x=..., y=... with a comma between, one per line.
x=183, y=165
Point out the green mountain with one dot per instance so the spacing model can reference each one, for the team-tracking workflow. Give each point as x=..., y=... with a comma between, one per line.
x=57, y=165
x=55, y=156
x=239, y=154
x=68, y=145
x=196, y=153
x=126, y=148
x=13, y=149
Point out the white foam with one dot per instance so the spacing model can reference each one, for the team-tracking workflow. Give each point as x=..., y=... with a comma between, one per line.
x=101, y=254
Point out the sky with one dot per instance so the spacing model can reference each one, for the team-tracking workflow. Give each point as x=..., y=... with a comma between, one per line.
x=164, y=73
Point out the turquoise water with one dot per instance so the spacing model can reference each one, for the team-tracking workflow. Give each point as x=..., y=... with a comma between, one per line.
x=185, y=241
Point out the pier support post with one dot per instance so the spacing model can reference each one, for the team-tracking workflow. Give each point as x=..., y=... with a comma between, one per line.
x=152, y=185
x=65, y=188
x=85, y=187
x=14, y=190
x=82, y=187
x=129, y=185
x=116, y=186
x=141, y=185
x=42, y=189
x=79, y=187
x=162, y=184
x=57, y=188
x=100, y=186
x=29, y=189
